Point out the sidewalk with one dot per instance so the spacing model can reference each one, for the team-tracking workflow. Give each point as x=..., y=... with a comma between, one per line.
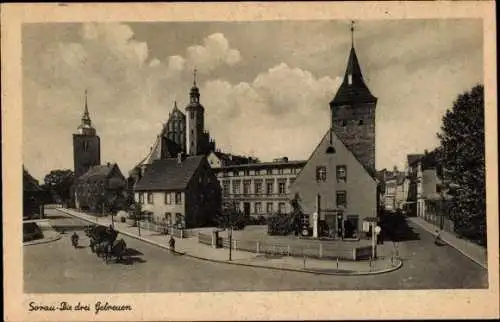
x=49, y=233
x=473, y=251
x=192, y=248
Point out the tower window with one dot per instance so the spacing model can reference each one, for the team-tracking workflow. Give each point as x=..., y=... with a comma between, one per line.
x=344, y=123
x=360, y=122
x=349, y=79
x=191, y=114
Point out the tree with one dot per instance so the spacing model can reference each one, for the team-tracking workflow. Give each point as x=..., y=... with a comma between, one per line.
x=462, y=157
x=284, y=224
x=59, y=183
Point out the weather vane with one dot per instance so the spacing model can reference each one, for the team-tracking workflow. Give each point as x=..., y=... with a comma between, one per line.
x=352, y=32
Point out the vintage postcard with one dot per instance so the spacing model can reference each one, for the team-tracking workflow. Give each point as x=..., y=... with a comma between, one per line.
x=231, y=161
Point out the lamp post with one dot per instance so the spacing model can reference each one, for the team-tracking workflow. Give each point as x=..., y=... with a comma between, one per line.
x=375, y=231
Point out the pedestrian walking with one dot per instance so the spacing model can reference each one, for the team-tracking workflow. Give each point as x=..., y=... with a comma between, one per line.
x=171, y=244
x=437, y=239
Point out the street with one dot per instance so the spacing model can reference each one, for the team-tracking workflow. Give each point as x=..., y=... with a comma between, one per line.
x=57, y=267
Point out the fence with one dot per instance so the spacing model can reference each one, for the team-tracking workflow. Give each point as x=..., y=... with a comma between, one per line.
x=164, y=229
x=344, y=252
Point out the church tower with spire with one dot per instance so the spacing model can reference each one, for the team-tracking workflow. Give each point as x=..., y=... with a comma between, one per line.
x=353, y=112
x=195, y=132
x=86, y=145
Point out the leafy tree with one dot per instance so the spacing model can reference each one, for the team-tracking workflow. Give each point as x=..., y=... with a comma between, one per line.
x=462, y=157
x=231, y=217
x=59, y=183
x=284, y=224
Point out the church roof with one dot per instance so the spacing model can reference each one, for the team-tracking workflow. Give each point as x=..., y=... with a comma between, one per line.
x=169, y=174
x=353, y=89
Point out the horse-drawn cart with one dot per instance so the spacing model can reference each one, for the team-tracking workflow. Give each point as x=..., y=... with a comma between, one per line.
x=104, y=244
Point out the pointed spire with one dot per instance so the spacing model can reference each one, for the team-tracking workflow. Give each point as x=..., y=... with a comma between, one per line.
x=86, y=118
x=175, y=105
x=353, y=87
x=194, y=77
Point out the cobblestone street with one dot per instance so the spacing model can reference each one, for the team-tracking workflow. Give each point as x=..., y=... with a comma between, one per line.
x=58, y=268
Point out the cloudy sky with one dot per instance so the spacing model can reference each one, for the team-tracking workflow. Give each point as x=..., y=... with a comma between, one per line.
x=265, y=85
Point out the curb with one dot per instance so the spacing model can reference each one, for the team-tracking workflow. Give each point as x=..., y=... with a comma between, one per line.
x=387, y=270
x=43, y=241
x=483, y=265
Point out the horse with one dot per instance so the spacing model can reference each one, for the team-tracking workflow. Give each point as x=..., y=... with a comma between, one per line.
x=116, y=250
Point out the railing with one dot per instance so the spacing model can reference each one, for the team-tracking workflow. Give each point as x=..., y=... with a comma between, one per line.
x=321, y=250
x=178, y=233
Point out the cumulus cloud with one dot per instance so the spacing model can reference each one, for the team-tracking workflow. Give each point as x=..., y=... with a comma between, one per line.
x=278, y=113
x=214, y=52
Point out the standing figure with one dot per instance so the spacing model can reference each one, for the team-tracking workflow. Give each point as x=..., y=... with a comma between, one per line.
x=171, y=244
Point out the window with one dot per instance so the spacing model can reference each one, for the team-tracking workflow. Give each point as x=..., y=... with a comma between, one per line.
x=178, y=198
x=269, y=171
x=258, y=208
x=341, y=199
x=360, y=122
x=246, y=187
x=321, y=173
x=241, y=173
x=258, y=187
x=349, y=79
x=85, y=146
x=341, y=173
x=344, y=123
x=257, y=172
x=438, y=188
x=179, y=220
x=225, y=188
x=168, y=198
x=269, y=187
x=269, y=207
x=236, y=187
x=281, y=208
x=168, y=218
x=294, y=170
x=280, y=171
x=150, y=198
x=281, y=188
x=247, y=172
x=191, y=114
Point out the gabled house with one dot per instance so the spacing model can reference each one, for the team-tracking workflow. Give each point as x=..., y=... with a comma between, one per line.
x=338, y=187
x=180, y=191
x=91, y=187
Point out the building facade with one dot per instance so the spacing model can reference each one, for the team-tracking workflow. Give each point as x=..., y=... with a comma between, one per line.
x=181, y=192
x=86, y=145
x=259, y=189
x=97, y=183
x=337, y=187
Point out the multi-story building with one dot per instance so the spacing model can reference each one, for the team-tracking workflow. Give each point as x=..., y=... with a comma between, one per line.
x=180, y=191
x=259, y=189
x=91, y=187
x=337, y=187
